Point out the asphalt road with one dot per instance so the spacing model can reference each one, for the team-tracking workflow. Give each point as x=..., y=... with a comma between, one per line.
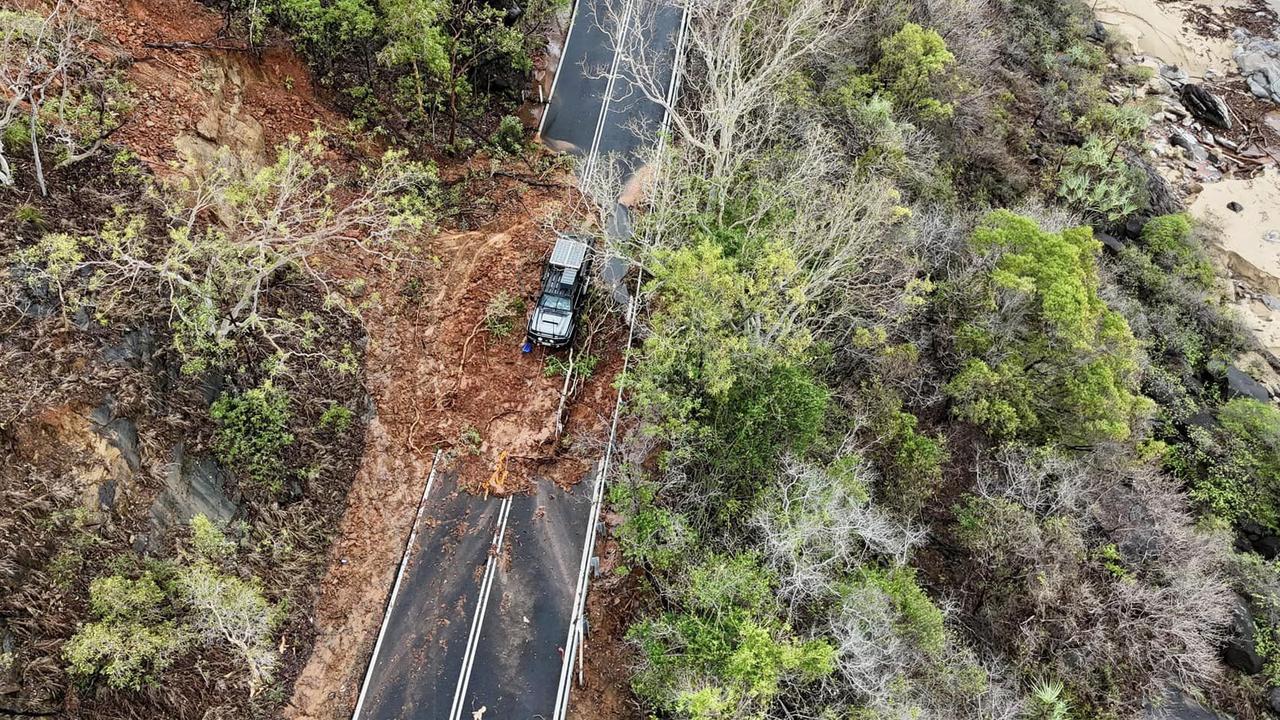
x=481, y=608
x=483, y=602
x=578, y=102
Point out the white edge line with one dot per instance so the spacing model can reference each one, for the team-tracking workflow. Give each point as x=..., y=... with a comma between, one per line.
x=575, y=632
x=482, y=605
x=395, y=589
x=564, y=51
x=608, y=93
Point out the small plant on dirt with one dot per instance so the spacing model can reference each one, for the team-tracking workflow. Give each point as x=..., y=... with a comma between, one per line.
x=336, y=418
x=253, y=433
x=509, y=137
x=584, y=366
x=471, y=440
x=28, y=214
x=501, y=313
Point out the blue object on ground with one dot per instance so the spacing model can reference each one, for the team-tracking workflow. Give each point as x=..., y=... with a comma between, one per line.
x=528, y=347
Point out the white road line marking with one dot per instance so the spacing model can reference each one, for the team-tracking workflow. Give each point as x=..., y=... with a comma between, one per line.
x=608, y=93
x=395, y=589
x=564, y=50
x=482, y=605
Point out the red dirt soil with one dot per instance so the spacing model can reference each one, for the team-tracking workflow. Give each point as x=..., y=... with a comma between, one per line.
x=427, y=396
x=176, y=89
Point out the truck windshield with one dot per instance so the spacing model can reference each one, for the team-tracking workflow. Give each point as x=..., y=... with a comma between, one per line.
x=556, y=302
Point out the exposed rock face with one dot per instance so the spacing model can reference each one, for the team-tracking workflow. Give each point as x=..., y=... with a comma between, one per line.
x=97, y=453
x=1255, y=538
x=1240, y=651
x=1177, y=706
x=225, y=125
x=193, y=486
x=1240, y=384
x=1259, y=61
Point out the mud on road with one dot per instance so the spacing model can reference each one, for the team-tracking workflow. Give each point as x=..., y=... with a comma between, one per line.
x=440, y=379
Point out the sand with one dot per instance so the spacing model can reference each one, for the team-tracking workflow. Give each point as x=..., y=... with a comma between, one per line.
x=1157, y=29
x=1254, y=232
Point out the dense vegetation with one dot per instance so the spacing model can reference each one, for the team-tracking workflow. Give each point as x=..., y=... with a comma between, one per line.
x=910, y=444
x=907, y=442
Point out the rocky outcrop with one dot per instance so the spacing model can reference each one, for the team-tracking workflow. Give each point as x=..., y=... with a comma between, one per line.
x=1259, y=62
x=1205, y=106
x=192, y=486
x=1240, y=650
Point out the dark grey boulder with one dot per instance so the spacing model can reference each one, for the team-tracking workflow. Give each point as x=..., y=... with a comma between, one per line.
x=1239, y=384
x=1273, y=699
x=1241, y=651
x=1205, y=106
x=135, y=348
x=1187, y=141
x=1110, y=242
x=1252, y=537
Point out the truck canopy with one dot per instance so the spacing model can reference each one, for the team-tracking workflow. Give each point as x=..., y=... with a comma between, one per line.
x=569, y=253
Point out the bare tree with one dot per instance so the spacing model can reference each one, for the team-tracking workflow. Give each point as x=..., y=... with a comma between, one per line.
x=51, y=82
x=819, y=525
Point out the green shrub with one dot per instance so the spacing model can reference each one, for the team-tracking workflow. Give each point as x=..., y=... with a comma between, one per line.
x=1059, y=366
x=337, y=418
x=724, y=655
x=915, y=464
x=509, y=137
x=918, y=617
x=253, y=433
x=1168, y=239
x=911, y=62
x=1098, y=179
x=1234, y=469
x=134, y=639
x=649, y=534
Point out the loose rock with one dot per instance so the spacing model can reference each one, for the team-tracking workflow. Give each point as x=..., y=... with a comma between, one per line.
x=1259, y=62
x=1206, y=106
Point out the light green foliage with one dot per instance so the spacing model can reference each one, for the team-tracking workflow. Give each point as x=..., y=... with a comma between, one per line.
x=253, y=433
x=144, y=623
x=649, y=534
x=223, y=608
x=1048, y=701
x=416, y=39
x=502, y=313
x=52, y=263
x=915, y=463
x=918, y=618
x=337, y=418
x=911, y=62
x=1234, y=469
x=723, y=372
x=1096, y=178
x=208, y=541
x=724, y=655
x=1169, y=242
x=509, y=137
x=134, y=639
x=1060, y=365
x=325, y=28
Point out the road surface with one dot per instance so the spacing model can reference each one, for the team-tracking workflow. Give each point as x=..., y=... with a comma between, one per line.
x=489, y=588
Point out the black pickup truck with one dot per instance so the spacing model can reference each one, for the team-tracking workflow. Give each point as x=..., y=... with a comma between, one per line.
x=564, y=283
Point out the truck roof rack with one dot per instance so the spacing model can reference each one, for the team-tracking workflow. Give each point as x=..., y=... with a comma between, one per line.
x=569, y=253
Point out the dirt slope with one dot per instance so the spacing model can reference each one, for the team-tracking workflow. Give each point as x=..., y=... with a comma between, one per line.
x=427, y=397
